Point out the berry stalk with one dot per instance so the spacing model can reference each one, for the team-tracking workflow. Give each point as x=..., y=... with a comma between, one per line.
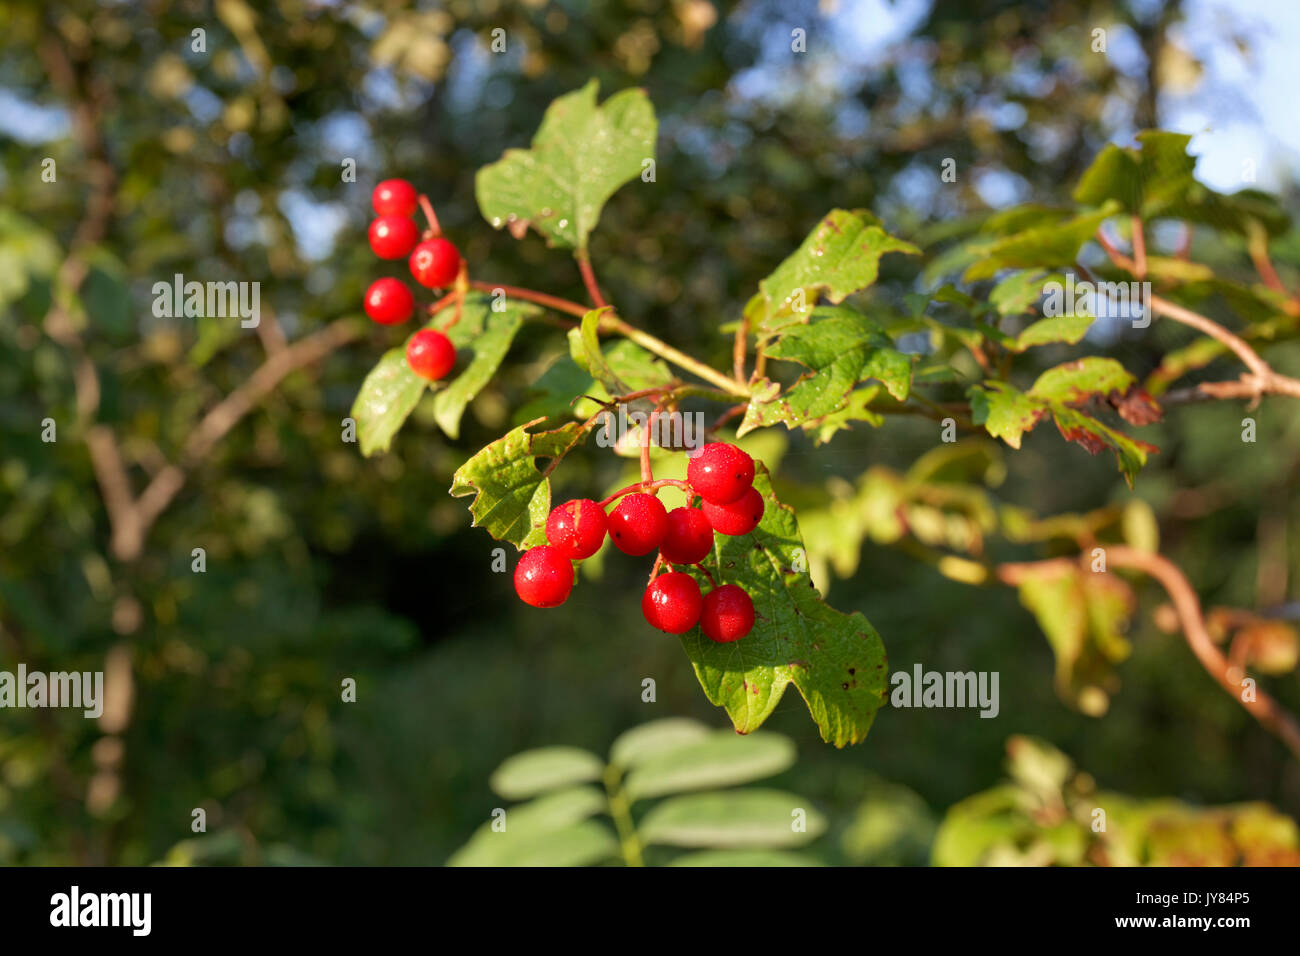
x=646, y=486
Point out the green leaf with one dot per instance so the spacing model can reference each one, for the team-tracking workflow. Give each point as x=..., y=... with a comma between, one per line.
x=743, y=858
x=842, y=348
x=1020, y=290
x=974, y=827
x=387, y=396
x=512, y=499
x=1007, y=413
x=26, y=252
x=1006, y=222
x=1139, y=525
x=1157, y=181
x=1069, y=329
x=1040, y=247
x=1197, y=354
x=622, y=360
x=580, y=844
x=1004, y=412
x=569, y=376
x=720, y=759
x=748, y=819
x=594, y=359
x=484, y=334
x=1143, y=181
x=856, y=409
x=1083, y=614
x=1076, y=382
x=551, y=396
x=1095, y=437
x=547, y=768
x=526, y=823
x=840, y=256
x=580, y=156
x=655, y=739
x=836, y=661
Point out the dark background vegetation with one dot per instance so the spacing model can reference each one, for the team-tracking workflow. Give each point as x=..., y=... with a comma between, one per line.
x=322, y=565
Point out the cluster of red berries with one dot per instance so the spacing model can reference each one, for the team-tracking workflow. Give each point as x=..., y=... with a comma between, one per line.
x=435, y=263
x=723, y=477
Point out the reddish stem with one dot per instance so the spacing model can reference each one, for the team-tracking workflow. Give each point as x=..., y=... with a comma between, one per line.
x=646, y=474
x=1139, y=249
x=442, y=303
x=589, y=280
x=739, y=349
x=707, y=574
x=434, y=228
x=531, y=295
x=727, y=416
x=647, y=486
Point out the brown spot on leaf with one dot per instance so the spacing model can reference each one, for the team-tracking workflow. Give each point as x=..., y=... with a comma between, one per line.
x=1091, y=441
x=1137, y=406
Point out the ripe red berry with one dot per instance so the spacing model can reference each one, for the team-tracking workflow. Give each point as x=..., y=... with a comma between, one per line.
x=392, y=237
x=638, y=523
x=688, y=538
x=430, y=354
x=389, y=301
x=672, y=602
x=543, y=577
x=394, y=197
x=577, y=528
x=737, y=517
x=435, y=262
x=720, y=472
x=727, y=614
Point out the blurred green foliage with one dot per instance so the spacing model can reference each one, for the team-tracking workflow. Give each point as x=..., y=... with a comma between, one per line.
x=322, y=566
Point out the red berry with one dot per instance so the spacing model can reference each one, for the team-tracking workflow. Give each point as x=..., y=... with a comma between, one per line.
x=434, y=263
x=738, y=517
x=430, y=354
x=672, y=602
x=727, y=614
x=394, y=197
x=389, y=301
x=543, y=577
x=720, y=472
x=577, y=528
x=689, y=537
x=392, y=237
x=638, y=523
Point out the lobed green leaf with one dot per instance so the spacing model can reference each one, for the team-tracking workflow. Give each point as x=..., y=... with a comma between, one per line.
x=581, y=155
x=511, y=497
x=836, y=661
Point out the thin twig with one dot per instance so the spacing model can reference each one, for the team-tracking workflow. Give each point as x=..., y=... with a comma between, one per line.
x=1188, y=607
x=1139, y=248
x=1261, y=380
x=531, y=295
x=589, y=279
x=434, y=229
x=738, y=350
